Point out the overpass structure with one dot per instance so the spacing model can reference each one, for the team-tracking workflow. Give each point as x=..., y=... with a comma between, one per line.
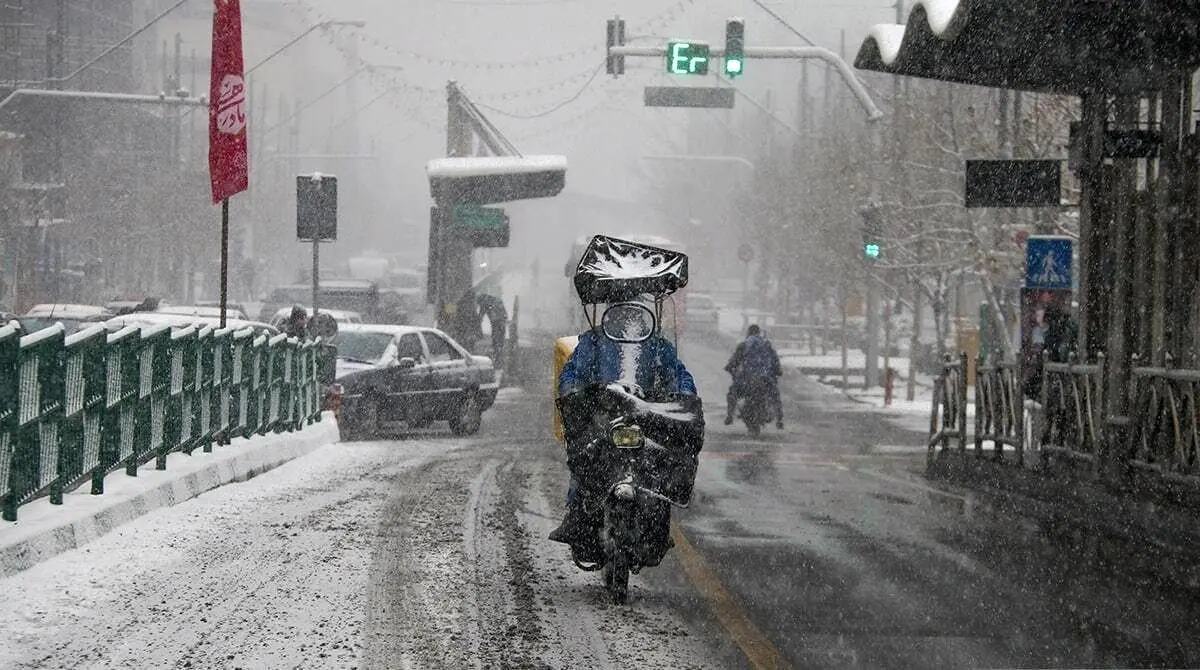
x=1125, y=411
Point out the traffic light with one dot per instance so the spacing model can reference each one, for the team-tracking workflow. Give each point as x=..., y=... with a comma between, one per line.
x=614, y=37
x=735, y=47
x=872, y=233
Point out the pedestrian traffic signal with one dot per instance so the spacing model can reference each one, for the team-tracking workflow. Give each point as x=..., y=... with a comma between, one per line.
x=735, y=47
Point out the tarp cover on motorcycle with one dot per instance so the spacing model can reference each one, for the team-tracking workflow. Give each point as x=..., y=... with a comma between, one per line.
x=677, y=426
x=614, y=270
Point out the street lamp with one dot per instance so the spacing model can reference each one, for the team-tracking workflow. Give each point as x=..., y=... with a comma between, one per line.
x=323, y=24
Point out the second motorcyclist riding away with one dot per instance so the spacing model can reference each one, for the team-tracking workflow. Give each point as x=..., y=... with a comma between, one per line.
x=754, y=361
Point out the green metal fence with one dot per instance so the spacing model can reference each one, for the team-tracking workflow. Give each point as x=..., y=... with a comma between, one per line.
x=74, y=409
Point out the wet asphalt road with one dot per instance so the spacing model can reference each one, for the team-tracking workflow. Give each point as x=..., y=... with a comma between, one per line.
x=842, y=556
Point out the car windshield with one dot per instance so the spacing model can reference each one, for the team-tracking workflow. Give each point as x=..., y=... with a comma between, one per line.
x=368, y=347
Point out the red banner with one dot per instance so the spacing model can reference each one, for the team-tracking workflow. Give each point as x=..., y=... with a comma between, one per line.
x=227, y=154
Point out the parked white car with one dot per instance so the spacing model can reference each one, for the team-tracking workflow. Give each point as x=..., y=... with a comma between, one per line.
x=702, y=310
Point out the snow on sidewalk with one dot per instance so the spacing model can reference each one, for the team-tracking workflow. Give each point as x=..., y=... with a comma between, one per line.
x=43, y=530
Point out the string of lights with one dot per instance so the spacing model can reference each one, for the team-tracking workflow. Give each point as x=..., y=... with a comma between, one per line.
x=506, y=3
x=316, y=16
x=588, y=77
x=546, y=112
x=576, y=122
x=657, y=21
x=538, y=90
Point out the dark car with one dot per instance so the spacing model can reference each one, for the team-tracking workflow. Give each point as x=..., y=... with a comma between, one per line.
x=417, y=375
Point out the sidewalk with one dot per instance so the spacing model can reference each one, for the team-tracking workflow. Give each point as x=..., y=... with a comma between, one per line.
x=44, y=531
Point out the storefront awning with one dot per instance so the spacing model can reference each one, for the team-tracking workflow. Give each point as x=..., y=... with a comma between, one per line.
x=1056, y=46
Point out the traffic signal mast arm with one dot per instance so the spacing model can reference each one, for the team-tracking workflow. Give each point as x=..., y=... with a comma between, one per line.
x=786, y=53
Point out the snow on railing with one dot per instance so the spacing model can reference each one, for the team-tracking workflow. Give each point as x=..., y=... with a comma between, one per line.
x=74, y=409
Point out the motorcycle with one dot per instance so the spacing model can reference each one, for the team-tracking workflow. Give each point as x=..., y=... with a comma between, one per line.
x=633, y=453
x=755, y=408
x=633, y=459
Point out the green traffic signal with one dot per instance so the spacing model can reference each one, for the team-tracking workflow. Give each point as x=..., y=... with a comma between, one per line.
x=735, y=47
x=871, y=250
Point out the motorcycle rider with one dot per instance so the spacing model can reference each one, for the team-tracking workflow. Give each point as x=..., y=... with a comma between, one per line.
x=754, y=358
x=598, y=359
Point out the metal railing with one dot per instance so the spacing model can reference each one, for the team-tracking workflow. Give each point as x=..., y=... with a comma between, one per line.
x=1067, y=424
x=999, y=408
x=1073, y=404
x=1165, y=438
x=73, y=409
x=948, y=420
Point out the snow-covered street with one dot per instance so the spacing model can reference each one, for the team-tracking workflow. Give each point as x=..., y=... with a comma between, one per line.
x=417, y=553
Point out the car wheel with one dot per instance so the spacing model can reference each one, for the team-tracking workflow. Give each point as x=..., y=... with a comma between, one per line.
x=469, y=418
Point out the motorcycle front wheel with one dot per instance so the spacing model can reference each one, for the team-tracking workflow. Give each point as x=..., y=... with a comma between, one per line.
x=616, y=578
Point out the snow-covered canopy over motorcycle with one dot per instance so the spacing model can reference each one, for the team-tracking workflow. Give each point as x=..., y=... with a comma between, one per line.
x=613, y=270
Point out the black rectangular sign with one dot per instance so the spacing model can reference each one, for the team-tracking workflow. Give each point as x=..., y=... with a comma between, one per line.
x=689, y=96
x=316, y=208
x=1013, y=183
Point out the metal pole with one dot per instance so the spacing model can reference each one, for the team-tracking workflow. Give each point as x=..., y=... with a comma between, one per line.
x=316, y=274
x=871, y=350
x=224, y=258
x=785, y=53
x=745, y=290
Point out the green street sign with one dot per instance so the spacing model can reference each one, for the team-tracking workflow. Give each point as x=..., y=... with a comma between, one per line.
x=482, y=226
x=687, y=58
x=480, y=218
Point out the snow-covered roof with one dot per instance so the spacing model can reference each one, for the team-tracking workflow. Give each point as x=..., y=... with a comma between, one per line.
x=493, y=165
x=1062, y=46
x=493, y=179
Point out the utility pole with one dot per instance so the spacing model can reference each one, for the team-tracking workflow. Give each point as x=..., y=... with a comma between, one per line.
x=453, y=268
x=871, y=368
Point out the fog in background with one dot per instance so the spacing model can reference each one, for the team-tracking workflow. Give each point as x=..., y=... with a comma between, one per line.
x=536, y=58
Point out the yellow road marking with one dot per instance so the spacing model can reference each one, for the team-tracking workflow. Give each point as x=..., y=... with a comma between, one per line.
x=754, y=644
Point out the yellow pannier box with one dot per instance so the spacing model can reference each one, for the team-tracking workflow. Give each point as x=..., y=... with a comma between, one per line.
x=563, y=348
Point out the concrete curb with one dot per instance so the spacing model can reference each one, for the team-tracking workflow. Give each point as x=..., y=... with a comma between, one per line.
x=85, y=517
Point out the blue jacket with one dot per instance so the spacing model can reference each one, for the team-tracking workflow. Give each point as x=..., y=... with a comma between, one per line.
x=655, y=365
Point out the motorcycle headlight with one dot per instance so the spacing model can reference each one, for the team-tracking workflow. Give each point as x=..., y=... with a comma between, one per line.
x=628, y=436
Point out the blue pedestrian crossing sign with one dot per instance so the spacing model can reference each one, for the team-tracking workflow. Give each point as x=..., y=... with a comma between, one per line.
x=1048, y=262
